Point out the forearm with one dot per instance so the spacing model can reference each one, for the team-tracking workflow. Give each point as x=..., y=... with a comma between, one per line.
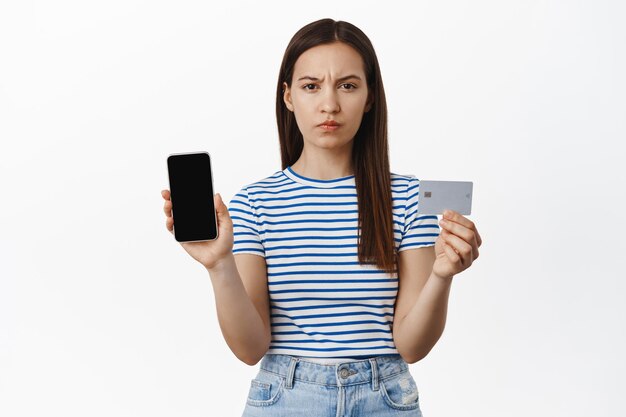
x=416, y=333
x=240, y=322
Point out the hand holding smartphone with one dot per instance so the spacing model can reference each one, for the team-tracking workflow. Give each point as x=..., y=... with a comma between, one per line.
x=191, y=193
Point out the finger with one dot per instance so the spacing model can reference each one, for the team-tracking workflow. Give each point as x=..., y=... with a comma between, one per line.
x=457, y=217
x=165, y=194
x=224, y=218
x=220, y=205
x=468, y=235
x=169, y=223
x=218, y=200
x=167, y=208
x=463, y=248
x=452, y=255
x=457, y=229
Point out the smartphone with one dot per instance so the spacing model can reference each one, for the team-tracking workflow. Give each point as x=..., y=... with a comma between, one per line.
x=191, y=192
x=436, y=196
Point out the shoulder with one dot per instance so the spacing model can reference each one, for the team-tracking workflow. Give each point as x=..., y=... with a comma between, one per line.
x=253, y=194
x=265, y=182
x=403, y=183
x=401, y=177
x=268, y=181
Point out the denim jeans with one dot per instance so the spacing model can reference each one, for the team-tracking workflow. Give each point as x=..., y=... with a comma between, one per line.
x=291, y=386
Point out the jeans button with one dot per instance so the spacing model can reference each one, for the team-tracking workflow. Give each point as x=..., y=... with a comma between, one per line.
x=344, y=373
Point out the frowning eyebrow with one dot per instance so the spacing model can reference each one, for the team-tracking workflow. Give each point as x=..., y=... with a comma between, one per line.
x=347, y=77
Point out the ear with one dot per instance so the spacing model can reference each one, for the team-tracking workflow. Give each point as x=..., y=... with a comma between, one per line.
x=287, y=96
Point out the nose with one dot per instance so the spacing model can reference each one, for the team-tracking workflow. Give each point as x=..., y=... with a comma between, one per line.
x=329, y=101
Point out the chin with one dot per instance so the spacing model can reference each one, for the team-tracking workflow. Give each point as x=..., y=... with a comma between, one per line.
x=330, y=141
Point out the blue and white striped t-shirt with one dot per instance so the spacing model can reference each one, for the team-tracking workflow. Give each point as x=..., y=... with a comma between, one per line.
x=323, y=303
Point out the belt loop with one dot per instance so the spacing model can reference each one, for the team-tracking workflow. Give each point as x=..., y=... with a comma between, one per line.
x=374, y=374
x=291, y=372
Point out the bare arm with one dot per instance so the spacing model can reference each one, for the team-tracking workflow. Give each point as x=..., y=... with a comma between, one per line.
x=242, y=303
x=421, y=305
x=239, y=283
x=425, y=279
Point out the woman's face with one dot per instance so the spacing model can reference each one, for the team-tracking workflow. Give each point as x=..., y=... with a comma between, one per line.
x=328, y=84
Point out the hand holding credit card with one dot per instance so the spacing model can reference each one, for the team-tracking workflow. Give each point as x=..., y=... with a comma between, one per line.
x=437, y=196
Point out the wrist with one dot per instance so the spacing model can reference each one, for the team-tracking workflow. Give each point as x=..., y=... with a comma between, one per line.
x=441, y=278
x=221, y=264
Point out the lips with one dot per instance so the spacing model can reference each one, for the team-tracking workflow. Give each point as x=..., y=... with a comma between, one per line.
x=329, y=123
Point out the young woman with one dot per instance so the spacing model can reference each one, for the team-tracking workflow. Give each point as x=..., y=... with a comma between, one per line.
x=324, y=271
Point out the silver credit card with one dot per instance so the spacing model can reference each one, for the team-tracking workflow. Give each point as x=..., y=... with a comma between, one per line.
x=436, y=196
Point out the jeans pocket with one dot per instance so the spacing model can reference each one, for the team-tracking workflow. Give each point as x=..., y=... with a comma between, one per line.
x=400, y=391
x=265, y=389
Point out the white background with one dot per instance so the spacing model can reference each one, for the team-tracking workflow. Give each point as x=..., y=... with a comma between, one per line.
x=102, y=313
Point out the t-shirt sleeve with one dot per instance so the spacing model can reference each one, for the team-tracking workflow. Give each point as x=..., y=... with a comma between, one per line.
x=246, y=236
x=419, y=230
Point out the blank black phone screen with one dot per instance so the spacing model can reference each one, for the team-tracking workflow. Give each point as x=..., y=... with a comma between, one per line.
x=191, y=193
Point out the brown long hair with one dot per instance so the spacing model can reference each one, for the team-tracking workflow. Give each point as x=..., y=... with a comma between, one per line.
x=370, y=153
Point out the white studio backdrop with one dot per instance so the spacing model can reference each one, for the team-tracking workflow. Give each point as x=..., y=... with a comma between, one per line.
x=102, y=313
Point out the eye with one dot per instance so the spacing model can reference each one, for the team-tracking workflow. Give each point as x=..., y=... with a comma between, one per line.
x=306, y=85
x=352, y=86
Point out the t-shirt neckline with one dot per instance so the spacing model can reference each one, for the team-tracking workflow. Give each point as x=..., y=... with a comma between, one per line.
x=313, y=182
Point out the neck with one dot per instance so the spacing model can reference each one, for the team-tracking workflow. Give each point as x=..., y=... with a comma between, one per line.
x=324, y=165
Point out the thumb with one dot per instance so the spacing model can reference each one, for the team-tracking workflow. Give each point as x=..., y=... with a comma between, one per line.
x=223, y=216
x=220, y=207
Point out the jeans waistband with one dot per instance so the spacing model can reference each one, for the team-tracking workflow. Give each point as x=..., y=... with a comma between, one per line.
x=369, y=370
